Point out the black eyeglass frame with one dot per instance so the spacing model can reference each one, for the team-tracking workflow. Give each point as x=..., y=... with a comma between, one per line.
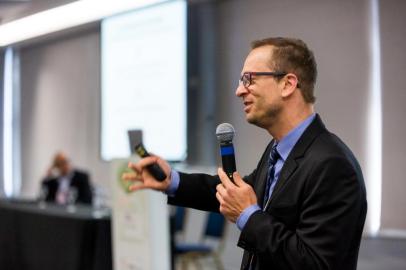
x=248, y=80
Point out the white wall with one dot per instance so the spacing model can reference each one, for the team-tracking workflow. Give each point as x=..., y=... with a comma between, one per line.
x=393, y=44
x=60, y=107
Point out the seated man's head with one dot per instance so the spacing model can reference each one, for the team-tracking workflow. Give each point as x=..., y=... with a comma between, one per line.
x=61, y=162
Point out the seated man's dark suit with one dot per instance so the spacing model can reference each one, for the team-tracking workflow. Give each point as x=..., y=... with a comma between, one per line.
x=80, y=181
x=316, y=213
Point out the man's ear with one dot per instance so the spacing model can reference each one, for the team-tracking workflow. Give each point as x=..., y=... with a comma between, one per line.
x=290, y=82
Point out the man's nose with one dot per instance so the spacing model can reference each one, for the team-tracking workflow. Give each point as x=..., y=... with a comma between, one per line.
x=241, y=90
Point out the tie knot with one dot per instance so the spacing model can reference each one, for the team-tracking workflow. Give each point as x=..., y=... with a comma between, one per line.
x=274, y=156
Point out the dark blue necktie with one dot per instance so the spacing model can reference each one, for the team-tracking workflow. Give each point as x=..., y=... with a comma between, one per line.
x=273, y=158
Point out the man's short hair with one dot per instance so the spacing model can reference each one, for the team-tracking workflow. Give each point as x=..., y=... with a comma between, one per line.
x=293, y=56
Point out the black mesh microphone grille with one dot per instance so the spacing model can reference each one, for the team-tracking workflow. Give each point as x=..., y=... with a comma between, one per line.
x=225, y=132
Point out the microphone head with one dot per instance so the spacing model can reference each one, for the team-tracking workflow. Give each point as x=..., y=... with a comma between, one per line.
x=225, y=133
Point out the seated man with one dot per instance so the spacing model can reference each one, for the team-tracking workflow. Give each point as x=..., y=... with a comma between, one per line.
x=61, y=179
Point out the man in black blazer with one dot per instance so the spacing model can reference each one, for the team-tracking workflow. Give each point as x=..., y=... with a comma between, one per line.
x=304, y=206
x=61, y=179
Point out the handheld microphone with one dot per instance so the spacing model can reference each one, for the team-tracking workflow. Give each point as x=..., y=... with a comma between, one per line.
x=154, y=169
x=225, y=134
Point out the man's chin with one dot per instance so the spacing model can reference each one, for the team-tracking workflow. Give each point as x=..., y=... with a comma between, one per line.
x=252, y=120
x=256, y=121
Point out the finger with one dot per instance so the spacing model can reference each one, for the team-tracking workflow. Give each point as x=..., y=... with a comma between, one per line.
x=224, y=178
x=136, y=187
x=147, y=161
x=129, y=176
x=220, y=189
x=219, y=198
x=134, y=167
x=161, y=162
x=237, y=179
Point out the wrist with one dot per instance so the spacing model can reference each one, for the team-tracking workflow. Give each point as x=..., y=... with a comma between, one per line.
x=174, y=180
x=246, y=214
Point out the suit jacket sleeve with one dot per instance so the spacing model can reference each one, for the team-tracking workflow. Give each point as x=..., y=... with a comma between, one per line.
x=82, y=183
x=51, y=186
x=197, y=191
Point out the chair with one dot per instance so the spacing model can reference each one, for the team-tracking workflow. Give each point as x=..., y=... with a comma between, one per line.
x=211, y=243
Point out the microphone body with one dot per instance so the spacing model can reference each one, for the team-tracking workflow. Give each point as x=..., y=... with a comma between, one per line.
x=225, y=134
x=228, y=159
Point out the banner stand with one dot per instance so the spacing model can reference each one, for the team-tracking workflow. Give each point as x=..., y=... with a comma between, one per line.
x=140, y=225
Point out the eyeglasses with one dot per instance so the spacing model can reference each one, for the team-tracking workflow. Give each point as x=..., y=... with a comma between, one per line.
x=246, y=78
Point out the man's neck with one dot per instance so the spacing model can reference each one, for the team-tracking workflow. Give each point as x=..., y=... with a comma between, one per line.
x=287, y=121
x=69, y=173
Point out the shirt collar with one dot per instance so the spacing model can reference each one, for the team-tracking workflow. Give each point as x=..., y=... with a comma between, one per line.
x=66, y=177
x=286, y=144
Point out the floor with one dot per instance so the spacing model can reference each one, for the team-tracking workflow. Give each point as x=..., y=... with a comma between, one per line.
x=382, y=254
x=375, y=254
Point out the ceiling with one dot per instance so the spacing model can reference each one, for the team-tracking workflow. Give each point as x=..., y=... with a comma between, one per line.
x=14, y=9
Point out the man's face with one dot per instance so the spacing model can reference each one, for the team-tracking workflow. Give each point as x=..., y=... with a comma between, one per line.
x=64, y=168
x=262, y=99
x=62, y=164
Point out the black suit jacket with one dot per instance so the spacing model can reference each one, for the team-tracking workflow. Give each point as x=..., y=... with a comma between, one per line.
x=317, y=210
x=80, y=180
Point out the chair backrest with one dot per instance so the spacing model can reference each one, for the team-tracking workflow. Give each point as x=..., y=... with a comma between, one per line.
x=214, y=228
x=180, y=217
x=215, y=225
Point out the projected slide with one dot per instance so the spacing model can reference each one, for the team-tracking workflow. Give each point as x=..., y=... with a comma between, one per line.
x=144, y=80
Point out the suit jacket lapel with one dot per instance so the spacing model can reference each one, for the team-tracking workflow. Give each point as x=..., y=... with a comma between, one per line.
x=288, y=168
x=298, y=151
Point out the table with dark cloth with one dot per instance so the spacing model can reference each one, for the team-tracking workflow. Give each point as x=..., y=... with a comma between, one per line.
x=38, y=238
